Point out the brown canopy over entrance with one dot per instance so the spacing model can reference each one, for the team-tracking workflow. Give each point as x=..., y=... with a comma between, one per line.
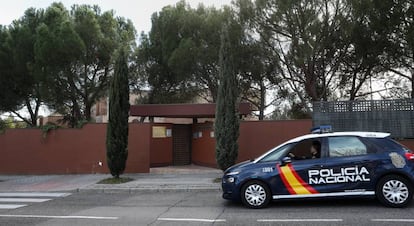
x=181, y=110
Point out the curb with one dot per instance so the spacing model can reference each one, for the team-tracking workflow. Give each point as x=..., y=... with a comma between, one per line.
x=138, y=190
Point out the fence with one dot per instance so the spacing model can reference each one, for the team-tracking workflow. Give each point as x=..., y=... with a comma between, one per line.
x=393, y=116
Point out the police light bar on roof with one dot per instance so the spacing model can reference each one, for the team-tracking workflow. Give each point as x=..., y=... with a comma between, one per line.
x=322, y=129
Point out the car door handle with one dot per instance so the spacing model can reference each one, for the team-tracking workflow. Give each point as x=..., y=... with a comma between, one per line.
x=317, y=166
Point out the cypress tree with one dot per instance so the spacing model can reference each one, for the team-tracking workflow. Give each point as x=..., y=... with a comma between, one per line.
x=227, y=118
x=117, y=130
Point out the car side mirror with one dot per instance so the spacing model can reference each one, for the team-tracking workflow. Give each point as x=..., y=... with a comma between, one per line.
x=286, y=160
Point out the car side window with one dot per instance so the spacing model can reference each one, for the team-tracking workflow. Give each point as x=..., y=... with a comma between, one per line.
x=306, y=149
x=277, y=154
x=346, y=146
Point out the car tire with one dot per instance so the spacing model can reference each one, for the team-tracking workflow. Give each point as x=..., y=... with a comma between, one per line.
x=394, y=191
x=255, y=194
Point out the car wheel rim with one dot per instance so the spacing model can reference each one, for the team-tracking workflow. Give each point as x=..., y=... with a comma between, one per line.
x=255, y=195
x=395, y=191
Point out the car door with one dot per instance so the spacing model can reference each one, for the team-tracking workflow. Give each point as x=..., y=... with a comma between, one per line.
x=294, y=176
x=348, y=168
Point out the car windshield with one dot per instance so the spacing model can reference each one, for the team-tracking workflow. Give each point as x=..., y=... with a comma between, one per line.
x=277, y=153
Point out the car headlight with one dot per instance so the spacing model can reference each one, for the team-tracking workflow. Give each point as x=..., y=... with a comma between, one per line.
x=229, y=178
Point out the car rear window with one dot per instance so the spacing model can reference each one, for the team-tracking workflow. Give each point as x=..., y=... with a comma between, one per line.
x=386, y=145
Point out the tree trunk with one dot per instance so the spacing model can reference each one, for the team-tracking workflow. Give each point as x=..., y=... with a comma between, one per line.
x=76, y=113
x=262, y=100
x=412, y=83
x=87, y=112
x=352, y=94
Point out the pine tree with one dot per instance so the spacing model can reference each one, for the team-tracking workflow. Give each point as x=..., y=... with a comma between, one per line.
x=227, y=120
x=117, y=130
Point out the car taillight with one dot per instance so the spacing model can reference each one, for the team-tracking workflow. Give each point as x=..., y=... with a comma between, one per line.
x=409, y=156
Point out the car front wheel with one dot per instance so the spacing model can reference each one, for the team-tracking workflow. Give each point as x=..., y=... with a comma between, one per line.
x=255, y=194
x=394, y=191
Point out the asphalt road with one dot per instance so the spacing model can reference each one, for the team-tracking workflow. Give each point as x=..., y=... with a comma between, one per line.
x=194, y=208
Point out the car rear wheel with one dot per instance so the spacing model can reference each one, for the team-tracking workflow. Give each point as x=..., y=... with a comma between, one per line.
x=394, y=191
x=255, y=194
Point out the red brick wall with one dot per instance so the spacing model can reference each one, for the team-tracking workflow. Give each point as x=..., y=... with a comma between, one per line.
x=68, y=151
x=204, y=148
x=256, y=137
x=408, y=143
x=161, y=152
x=139, y=148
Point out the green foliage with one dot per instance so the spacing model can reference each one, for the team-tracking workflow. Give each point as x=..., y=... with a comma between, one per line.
x=368, y=25
x=3, y=126
x=81, y=123
x=328, y=50
x=304, y=50
x=179, y=57
x=162, y=56
x=392, y=23
x=306, y=40
x=60, y=58
x=11, y=123
x=47, y=128
x=76, y=49
x=227, y=119
x=21, y=83
x=117, y=130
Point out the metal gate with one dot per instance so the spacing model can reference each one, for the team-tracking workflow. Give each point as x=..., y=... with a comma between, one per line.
x=181, y=144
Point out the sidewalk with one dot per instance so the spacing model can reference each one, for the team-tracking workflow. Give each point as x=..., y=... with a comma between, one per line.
x=183, y=178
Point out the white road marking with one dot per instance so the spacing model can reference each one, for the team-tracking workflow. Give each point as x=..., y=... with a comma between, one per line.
x=10, y=206
x=34, y=194
x=299, y=220
x=393, y=220
x=13, y=200
x=23, y=200
x=192, y=220
x=61, y=217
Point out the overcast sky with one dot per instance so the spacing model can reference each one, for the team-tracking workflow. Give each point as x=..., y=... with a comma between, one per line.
x=138, y=11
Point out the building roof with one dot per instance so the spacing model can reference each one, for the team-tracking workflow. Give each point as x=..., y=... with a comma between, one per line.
x=181, y=110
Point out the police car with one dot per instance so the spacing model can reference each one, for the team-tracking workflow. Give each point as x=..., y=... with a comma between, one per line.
x=325, y=164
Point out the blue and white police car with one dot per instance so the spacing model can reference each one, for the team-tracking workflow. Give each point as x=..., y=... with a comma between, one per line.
x=325, y=164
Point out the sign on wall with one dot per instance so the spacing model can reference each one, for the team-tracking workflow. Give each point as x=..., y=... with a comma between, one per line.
x=159, y=132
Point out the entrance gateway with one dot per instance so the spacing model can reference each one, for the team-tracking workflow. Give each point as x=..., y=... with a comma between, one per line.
x=182, y=133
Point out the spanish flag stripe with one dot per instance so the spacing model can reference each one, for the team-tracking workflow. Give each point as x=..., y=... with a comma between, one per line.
x=302, y=182
x=293, y=181
x=287, y=185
